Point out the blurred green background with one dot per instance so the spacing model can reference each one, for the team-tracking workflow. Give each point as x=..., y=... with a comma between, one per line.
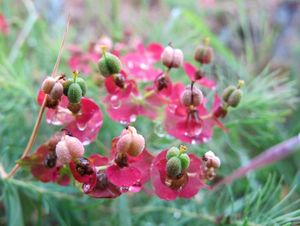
x=257, y=41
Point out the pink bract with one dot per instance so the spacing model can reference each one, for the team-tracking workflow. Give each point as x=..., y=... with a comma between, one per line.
x=140, y=63
x=85, y=125
x=3, y=25
x=43, y=173
x=189, y=189
x=190, y=70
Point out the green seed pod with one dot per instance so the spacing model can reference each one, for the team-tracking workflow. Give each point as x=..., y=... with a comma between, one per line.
x=185, y=161
x=174, y=167
x=235, y=98
x=173, y=151
x=74, y=93
x=67, y=85
x=82, y=85
x=109, y=64
x=227, y=92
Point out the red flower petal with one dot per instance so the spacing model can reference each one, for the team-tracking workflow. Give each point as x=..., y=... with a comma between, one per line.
x=125, y=176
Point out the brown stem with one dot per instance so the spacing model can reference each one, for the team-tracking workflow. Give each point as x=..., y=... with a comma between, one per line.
x=32, y=138
x=42, y=109
x=269, y=156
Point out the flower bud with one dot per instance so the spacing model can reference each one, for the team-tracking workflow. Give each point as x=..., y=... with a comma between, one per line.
x=235, y=98
x=185, y=161
x=47, y=84
x=227, y=92
x=109, y=64
x=129, y=130
x=172, y=57
x=82, y=85
x=74, y=93
x=203, y=54
x=172, y=152
x=57, y=91
x=191, y=97
x=174, y=167
x=211, y=160
x=131, y=143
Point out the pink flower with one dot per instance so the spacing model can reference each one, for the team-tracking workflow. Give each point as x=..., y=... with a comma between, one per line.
x=127, y=172
x=140, y=63
x=80, y=60
x=125, y=103
x=85, y=125
x=3, y=25
x=190, y=70
x=43, y=166
x=187, y=186
x=186, y=123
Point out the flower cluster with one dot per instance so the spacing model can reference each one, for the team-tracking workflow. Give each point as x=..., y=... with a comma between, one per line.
x=134, y=86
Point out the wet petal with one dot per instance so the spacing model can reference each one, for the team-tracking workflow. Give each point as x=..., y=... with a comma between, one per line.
x=125, y=176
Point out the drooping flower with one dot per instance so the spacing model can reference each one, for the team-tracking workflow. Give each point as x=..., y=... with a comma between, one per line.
x=186, y=185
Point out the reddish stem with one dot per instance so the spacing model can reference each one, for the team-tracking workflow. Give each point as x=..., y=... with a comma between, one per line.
x=269, y=156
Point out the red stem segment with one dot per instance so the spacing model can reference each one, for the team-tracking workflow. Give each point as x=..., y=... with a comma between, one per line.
x=269, y=156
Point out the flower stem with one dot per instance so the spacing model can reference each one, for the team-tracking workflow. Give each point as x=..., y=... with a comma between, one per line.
x=32, y=138
x=269, y=156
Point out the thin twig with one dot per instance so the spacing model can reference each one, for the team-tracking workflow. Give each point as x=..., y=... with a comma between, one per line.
x=42, y=109
x=269, y=156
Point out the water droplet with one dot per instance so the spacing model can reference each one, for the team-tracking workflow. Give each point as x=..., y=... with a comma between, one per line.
x=115, y=102
x=136, y=187
x=132, y=118
x=193, y=141
x=159, y=130
x=81, y=126
x=124, y=189
x=172, y=108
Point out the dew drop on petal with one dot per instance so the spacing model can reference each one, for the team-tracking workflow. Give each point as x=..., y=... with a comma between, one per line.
x=81, y=126
x=159, y=130
x=132, y=118
x=136, y=187
x=115, y=102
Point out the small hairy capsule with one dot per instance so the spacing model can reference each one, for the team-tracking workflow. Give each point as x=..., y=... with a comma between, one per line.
x=68, y=148
x=227, y=92
x=203, y=54
x=109, y=64
x=190, y=97
x=131, y=143
x=211, y=160
x=185, y=161
x=82, y=85
x=235, y=98
x=172, y=58
x=74, y=93
x=47, y=84
x=174, y=167
x=57, y=91
x=172, y=152
x=74, y=108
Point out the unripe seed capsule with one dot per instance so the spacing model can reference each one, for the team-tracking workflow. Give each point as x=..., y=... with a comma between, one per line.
x=235, y=98
x=74, y=93
x=67, y=85
x=174, y=167
x=227, y=92
x=57, y=91
x=82, y=85
x=190, y=97
x=48, y=84
x=185, y=161
x=172, y=57
x=203, y=54
x=172, y=152
x=109, y=64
